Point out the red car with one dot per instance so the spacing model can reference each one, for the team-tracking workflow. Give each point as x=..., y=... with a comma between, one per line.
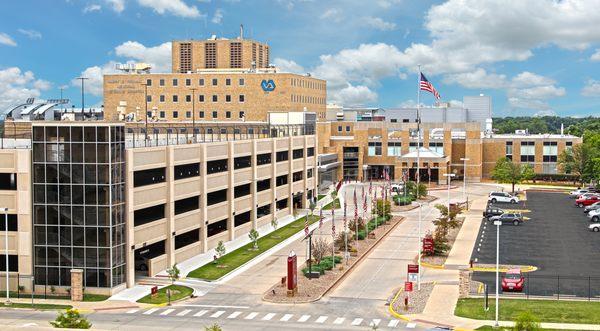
x=586, y=201
x=513, y=280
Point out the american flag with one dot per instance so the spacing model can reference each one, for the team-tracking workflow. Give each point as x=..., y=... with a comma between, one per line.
x=355, y=206
x=344, y=214
x=405, y=176
x=305, y=226
x=370, y=187
x=425, y=85
x=365, y=204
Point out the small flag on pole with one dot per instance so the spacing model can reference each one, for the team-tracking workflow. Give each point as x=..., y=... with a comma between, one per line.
x=425, y=85
x=305, y=226
x=333, y=223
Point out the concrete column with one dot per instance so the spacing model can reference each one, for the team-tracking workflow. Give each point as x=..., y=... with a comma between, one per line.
x=77, y=284
x=290, y=172
x=129, y=225
x=273, y=177
x=230, y=196
x=170, y=206
x=253, y=192
x=203, y=204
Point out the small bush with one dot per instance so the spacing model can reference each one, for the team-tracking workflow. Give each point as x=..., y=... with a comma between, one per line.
x=526, y=321
x=71, y=319
x=400, y=200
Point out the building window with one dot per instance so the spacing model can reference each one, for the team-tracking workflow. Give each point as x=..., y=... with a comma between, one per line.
x=216, y=228
x=161, y=82
x=13, y=263
x=13, y=223
x=175, y=114
x=148, y=98
x=201, y=82
x=242, y=98
x=215, y=98
x=309, y=173
x=175, y=82
x=161, y=114
x=187, y=238
x=509, y=150
x=281, y=204
x=263, y=185
x=228, y=81
x=412, y=146
x=148, y=82
x=242, y=82
x=243, y=218
x=188, y=98
x=528, y=151
x=175, y=98
x=242, y=162
x=228, y=115
x=201, y=97
x=201, y=114
x=262, y=159
x=214, y=114
x=310, y=152
x=569, y=145
x=215, y=197
x=281, y=180
x=216, y=166
x=297, y=176
x=147, y=215
x=347, y=128
x=148, y=177
x=242, y=115
x=374, y=148
x=263, y=211
x=188, y=114
x=241, y=191
x=188, y=82
x=215, y=82
x=437, y=147
x=298, y=153
x=228, y=98
x=162, y=98
x=187, y=204
x=187, y=170
x=282, y=156
x=394, y=148
x=8, y=181
x=550, y=152
x=339, y=128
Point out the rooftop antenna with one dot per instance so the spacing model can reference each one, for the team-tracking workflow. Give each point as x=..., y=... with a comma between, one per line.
x=241, y=31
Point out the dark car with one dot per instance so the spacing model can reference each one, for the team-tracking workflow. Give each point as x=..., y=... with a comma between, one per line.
x=508, y=218
x=492, y=211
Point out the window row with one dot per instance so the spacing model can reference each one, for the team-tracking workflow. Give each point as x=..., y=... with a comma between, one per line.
x=307, y=99
x=77, y=236
x=79, y=215
x=78, y=173
x=200, y=81
x=78, y=134
x=201, y=114
x=241, y=98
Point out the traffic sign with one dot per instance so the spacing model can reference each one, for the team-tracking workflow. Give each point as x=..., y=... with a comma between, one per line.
x=408, y=286
x=413, y=277
x=413, y=268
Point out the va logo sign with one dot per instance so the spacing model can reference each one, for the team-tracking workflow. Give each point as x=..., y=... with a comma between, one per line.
x=268, y=85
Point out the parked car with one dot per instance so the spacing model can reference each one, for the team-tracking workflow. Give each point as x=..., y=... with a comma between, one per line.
x=397, y=189
x=593, y=206
x=502, y=197
x=513, y=280
x=492, y=211
x=578, y=192
x=594, y=215
x=508, y=218
x=595, y=227
x=586, y=200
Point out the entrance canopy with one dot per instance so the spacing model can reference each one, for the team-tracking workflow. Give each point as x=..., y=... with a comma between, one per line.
x=425, y=154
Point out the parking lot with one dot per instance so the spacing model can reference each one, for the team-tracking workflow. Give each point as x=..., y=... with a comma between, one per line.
x=555, y=239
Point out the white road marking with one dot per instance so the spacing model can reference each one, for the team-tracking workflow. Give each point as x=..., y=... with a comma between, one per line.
x=217, y=314
x=26, y=325
x=132, y=311
x=321, y=319
x=200, y=313
x=393, y=323
x=303, y=318
x=150, y=311
x=375, y=322
x=339, y=320
x=251, y=316
x=286, y=317
x=357, y=321
x=268, y=316
x=213, y=306
x=411, y=325
x=235, y=314
x=183, y=313
x=167, y=312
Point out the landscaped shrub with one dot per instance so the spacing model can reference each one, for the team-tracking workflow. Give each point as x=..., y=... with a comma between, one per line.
x=325, y=264
x=401, y=200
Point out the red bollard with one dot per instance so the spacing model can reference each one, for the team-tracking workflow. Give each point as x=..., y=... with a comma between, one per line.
x=406, y=302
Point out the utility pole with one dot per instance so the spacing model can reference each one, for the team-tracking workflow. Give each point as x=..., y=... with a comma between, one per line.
x=146, y=136
x=83, y=79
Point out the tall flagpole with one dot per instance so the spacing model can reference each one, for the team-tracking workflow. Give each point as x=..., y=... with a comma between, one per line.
x=418, y=171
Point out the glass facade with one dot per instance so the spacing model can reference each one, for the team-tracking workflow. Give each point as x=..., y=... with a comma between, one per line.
x=79, y=203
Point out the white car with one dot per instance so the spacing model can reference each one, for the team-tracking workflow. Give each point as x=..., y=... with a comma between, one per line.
x=594, y=215
x=397, y=189
x=577, y=193
x=595, y=227
x=502, y=197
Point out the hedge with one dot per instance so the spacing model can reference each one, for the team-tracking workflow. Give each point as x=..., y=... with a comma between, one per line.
x=556, y=177
x=403, y=200
x=325, y=264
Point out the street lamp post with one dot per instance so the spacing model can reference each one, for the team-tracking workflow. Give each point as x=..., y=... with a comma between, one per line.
x=146, y=136
x=464, y=159
x=449, y=176
x=82, y=79
x=6, y=254
x=497, y=224
x=420, y=243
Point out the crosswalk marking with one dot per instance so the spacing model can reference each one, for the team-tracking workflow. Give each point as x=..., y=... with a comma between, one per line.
x=217, y=314
x=286, y=317
x=303, y=318
x=150, y=311
x=375, y=322
x=235, y=314
x=393, y=323
x=167, y=312
x=200, y=313
x=411, y=325
x=268, y=316
x=321, y=319
x=132, y=311
x=251, y=316
x=357, y=321
x=339, y=320
x=184, y=312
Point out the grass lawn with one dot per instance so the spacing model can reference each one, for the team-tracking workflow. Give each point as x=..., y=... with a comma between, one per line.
x=321, y=196
x=546, y=310
x=491, y=328
x=41, y=306
x=232, y=260
x=94, y=297
x=335, y=204
x=177, y=292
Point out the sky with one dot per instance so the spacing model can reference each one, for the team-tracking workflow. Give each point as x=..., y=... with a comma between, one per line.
x=534, y=57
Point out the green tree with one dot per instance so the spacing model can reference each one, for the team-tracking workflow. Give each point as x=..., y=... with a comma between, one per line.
x=506, y=171
x=578, y=161
x=253, y=235
x=420, y=192
x=383, y=208
x=71, y=319
x=274, y=223
x=220, y=249
x=173, y=273
x=446, y=221
x=526, y=321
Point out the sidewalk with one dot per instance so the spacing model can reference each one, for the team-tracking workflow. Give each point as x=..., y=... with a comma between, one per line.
x=82, y=305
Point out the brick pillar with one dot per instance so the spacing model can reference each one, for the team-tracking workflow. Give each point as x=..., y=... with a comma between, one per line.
x=77, y=284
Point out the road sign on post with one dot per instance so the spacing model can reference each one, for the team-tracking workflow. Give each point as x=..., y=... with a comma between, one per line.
x=408, y=286
x=413, y=272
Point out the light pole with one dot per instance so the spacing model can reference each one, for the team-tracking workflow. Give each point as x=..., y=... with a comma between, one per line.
x=83, y=79
x=420, y=243
x=449, y=176
x=464, y=159
x=146, y=111
x=497, y=224
x=6, y=254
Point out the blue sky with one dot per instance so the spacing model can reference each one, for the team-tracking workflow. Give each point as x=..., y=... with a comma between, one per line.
x=532, y=57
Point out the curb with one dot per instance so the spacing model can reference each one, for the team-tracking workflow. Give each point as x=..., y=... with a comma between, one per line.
x=391, y=307
x=433, y=266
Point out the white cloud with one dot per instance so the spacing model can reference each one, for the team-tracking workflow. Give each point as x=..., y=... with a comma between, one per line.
x=378, y=23
x=541, y=113
x=332, y=14
x=353, y=96
x=16, y=86
x=7, y=40
x=158, y=56
x=595, y=56
x=527, y=78
x=116, y=5
x=175, y=7
x=387, y=3
x=94, y=75
x=288, y=66
x=218, y=16
x=91, y=8
x=478, y=79
x=591, y=88
x=31, y=34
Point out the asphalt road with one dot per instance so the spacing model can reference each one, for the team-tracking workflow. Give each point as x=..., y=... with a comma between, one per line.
x=555, y=239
